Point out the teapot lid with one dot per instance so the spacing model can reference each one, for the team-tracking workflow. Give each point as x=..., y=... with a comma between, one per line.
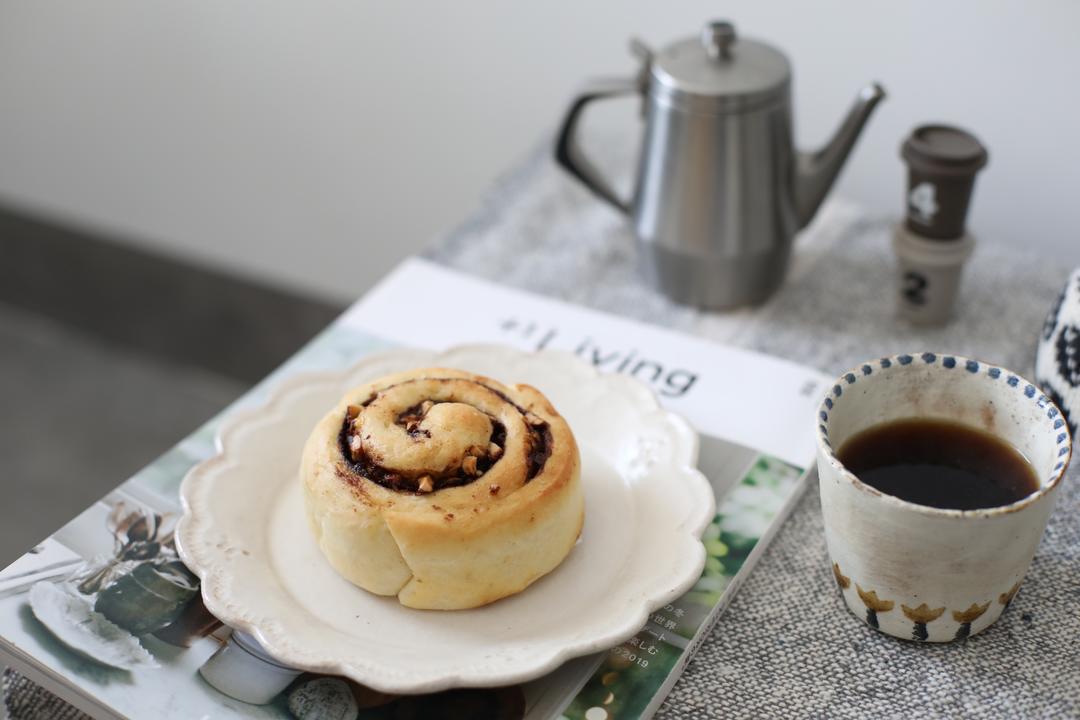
x=719, y=71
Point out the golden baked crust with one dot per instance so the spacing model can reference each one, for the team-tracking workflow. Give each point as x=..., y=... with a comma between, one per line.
x=447, y=489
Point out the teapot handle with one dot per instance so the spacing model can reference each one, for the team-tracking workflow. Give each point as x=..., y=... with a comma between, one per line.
x=569, y=154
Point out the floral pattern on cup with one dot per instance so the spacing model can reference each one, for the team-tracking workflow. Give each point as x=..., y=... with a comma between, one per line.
x=1006, y=597
x=874, y=605
x=966, y=617
x=922, y=615
x=842, y=580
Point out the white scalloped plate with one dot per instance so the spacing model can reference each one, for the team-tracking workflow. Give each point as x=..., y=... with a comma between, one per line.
x=646, y=505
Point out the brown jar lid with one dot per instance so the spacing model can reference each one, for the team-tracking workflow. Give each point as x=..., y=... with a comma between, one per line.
x=945, y=150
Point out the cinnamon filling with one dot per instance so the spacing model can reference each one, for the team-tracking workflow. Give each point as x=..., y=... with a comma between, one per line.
x=410, y=419
x=473, y=466
x=540, y=449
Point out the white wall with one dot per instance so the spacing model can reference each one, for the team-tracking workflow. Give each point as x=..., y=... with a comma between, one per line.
x=314, y=143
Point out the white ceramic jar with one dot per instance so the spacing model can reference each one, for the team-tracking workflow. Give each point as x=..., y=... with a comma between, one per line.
x=924, y=573
x=241, y=669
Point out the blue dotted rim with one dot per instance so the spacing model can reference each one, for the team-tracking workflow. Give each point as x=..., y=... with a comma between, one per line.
x=960, y=364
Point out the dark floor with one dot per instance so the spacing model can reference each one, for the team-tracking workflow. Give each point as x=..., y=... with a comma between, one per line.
x=79, y=416
x=109, y=355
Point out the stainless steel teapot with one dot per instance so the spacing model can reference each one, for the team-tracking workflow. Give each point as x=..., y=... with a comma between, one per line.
x=720, y=189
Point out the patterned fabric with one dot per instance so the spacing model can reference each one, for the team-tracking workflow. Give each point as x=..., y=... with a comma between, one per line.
x=787, y=647
x=1057, y=364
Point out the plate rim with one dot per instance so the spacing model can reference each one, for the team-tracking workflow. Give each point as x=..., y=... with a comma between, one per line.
x=683, y=465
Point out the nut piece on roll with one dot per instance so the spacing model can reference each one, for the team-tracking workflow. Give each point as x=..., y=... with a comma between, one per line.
x=447, y=489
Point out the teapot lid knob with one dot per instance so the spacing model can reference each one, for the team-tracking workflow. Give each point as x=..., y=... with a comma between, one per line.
x=718, y=37
x=717, y=71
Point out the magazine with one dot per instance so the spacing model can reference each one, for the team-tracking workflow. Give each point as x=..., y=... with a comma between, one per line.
x=104, y=614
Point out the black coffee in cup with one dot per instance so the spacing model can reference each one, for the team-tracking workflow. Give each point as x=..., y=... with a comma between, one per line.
x=942, y=163
x=939, y=463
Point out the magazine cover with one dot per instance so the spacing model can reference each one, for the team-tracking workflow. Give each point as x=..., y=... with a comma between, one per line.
x=104, y=614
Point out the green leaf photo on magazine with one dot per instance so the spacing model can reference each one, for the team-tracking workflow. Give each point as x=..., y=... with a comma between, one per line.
x=629, y=678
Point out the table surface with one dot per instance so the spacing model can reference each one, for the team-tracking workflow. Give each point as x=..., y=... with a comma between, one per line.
x=786, y=646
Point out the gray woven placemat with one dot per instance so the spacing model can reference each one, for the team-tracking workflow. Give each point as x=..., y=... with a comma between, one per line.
x=786, y=647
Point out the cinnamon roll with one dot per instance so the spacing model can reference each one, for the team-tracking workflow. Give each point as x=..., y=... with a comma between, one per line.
x=447, y=489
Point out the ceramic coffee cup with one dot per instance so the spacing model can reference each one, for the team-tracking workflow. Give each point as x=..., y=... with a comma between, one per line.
x=924, y=573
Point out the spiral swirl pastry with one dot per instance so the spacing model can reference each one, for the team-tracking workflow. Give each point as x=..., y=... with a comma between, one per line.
x=447, y=489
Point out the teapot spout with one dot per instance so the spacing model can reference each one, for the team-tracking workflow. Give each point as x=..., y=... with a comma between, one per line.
x=816, y=172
